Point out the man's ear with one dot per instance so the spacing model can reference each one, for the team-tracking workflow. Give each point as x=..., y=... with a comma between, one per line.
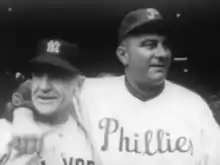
x=17, y=99
x=122, y=55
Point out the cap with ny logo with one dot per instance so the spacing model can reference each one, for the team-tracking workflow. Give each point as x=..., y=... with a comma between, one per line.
x=58, y=53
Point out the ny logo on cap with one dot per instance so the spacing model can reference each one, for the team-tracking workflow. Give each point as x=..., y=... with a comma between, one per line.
x=53, y=47
x=152, y=13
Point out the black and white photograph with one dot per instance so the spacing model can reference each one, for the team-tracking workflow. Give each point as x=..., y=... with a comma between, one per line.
x=109, y=82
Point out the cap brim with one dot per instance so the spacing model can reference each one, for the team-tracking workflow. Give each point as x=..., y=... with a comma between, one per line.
x=158, y=26
x=55, y=61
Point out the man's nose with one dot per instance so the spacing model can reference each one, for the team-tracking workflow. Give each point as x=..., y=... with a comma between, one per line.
x=45, y=84
x=162, y=51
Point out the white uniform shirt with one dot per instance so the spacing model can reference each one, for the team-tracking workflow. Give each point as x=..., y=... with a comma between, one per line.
x=174, y=128
x=64, y=145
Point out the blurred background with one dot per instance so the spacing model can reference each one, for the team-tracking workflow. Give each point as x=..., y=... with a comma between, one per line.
x=93, y=24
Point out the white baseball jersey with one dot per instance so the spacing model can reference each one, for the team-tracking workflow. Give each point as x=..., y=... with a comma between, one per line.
x=174, y=128
x=65, y=144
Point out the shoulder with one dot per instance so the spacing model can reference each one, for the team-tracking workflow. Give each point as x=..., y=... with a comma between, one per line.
x=189, y=99
x=101, y=85
x=99, y=88
x=183, y=92
x=103, y=82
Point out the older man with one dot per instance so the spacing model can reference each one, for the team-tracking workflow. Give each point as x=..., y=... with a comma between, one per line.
x=50, y=130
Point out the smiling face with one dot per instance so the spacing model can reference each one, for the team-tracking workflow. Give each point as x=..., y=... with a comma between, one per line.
x=146, y=58
x=51, y=94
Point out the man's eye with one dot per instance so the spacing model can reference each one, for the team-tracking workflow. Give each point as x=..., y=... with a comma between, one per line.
x=149, y=45
x=57, y=76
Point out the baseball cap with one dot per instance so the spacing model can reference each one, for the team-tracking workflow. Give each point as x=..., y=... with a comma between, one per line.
x=143, y=21
x=57, y=53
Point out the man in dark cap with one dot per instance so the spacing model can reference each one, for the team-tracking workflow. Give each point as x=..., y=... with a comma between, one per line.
x=142, y=118
x=49, y=129
x=53, y=64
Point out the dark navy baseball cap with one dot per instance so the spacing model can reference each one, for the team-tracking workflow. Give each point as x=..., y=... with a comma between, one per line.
x=57, y=53
x=142, y=21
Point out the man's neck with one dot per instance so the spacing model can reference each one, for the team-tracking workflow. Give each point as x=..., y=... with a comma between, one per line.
x=143, y=92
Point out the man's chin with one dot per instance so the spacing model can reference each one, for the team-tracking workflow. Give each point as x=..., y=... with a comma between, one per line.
x=158, y=77
x=46, y=111
x=46, y=118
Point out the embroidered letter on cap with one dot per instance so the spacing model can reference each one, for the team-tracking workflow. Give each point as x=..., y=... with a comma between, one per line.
x=53, y=47
x=152, y=13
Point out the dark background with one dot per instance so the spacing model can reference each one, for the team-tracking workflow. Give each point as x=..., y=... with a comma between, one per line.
x=92, y=24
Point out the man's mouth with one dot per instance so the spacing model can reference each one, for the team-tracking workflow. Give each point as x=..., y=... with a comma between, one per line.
x=46, y=98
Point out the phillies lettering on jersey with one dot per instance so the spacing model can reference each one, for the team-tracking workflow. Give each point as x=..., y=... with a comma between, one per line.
x=131, y=144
